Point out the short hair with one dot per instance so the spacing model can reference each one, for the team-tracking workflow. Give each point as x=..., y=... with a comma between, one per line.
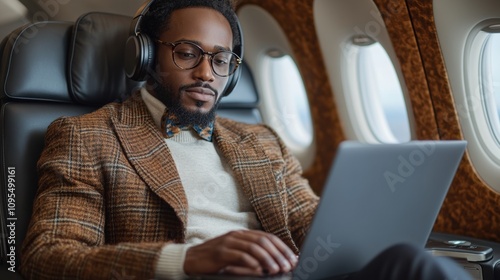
x=157, y=18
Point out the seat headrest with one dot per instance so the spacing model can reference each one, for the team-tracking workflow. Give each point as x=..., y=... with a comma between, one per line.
x=65, y=62
x=244, y=94
x=96, y=73
x=34, y=62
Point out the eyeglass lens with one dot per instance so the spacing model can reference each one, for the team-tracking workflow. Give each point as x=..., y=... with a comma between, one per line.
x=188, y=56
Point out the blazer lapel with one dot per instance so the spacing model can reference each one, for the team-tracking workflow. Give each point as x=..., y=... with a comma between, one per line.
x=146, y=150
x=254, y=172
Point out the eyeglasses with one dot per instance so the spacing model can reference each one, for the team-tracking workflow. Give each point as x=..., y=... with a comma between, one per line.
x=187, y=55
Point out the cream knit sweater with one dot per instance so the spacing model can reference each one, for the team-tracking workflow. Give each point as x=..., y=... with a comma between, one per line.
x=216, y=203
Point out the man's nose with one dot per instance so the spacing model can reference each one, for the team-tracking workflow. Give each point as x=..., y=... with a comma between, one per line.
x=204, y=70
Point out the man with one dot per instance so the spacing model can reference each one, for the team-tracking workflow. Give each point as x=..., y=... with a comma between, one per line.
x=122, y=191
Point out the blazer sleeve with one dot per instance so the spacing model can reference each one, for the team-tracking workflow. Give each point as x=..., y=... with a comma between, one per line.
x=301, y=199
x=66, y=236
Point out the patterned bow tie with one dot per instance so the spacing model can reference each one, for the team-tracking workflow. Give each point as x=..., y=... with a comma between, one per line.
x=170, y=126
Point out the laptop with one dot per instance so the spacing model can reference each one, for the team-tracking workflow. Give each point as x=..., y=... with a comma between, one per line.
x=375, y=196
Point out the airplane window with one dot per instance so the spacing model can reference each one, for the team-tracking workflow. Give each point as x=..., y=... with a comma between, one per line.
x=381, y=94
x=292, y=114
x=491, y=82
x=475, y=76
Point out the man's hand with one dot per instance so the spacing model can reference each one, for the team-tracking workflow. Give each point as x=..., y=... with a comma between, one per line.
x=245, y=252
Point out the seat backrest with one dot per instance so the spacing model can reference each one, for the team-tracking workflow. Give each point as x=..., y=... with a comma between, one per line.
x=54, y=69
x=49, y=70
x=242, y=104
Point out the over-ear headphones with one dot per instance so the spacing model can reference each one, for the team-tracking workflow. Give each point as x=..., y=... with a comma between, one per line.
x=140, y=51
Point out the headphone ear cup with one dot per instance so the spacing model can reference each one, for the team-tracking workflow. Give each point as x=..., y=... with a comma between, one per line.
x=233, y=80
x=238, y=49
x=139, y=57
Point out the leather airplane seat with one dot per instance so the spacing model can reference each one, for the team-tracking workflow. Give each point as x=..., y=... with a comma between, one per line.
x=53, y=69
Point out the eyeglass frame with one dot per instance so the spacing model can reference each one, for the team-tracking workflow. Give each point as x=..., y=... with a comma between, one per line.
x=203, y=53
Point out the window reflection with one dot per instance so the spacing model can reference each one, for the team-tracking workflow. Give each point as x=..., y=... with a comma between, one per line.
x=381, y=95
x=490, y=77
x=292, y=110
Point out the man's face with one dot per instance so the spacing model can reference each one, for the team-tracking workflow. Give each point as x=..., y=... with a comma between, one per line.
x=193, y=94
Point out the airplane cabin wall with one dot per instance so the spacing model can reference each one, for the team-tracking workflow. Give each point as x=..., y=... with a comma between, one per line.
x=399, y=26
x=471, y=206
x=296, y=20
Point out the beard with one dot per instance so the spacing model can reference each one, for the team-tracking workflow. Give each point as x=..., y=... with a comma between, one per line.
x=186, y=117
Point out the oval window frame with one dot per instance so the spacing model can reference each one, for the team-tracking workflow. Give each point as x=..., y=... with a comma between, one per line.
x=374, y=126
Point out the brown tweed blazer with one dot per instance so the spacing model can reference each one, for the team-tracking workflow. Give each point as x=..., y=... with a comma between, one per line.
x=110, y=196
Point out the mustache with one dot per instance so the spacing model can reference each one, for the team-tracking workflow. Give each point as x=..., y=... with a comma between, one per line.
x=199, y=84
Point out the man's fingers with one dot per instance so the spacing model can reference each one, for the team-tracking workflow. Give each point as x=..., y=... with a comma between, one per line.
x=269, y=249
x=278, y=257
x=245, y=248
x=285, y=251
x=241, y=252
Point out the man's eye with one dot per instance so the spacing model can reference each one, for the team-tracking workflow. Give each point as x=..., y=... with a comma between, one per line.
x=186, y=55
x=220, y=61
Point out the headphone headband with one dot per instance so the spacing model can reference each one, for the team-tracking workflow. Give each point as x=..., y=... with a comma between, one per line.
x=136, y=21
x=140, y=50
